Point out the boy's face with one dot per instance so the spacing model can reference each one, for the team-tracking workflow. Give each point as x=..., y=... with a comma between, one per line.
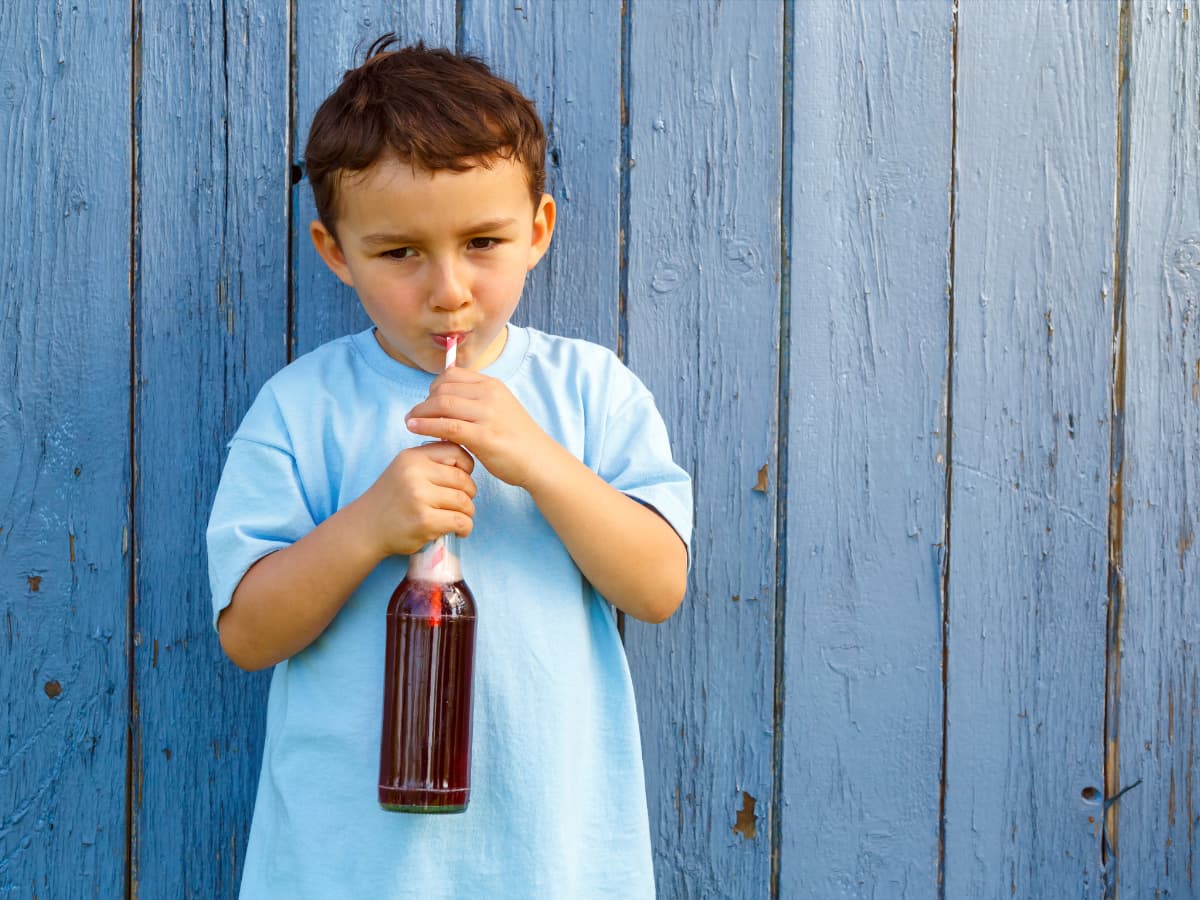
x=434, y=255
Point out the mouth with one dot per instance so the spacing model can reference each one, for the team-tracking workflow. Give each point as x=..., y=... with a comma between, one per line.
x=448, y=339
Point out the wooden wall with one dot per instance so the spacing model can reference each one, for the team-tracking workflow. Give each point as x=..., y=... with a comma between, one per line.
x=917, y=286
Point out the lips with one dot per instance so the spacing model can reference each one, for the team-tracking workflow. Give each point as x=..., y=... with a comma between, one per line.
x=445, y=339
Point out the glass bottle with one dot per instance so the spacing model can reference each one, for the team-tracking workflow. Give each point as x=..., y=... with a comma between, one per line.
x=425, y=750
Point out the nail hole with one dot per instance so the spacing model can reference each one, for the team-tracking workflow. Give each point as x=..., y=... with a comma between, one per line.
x=1090, y=794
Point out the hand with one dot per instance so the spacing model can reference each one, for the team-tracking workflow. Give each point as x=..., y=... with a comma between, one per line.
x=481, y=414
x=424, y=493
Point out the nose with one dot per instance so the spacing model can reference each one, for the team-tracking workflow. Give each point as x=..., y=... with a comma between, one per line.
x=449, y=288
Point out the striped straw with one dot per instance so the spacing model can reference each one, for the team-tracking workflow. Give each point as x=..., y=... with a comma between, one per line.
x=451, y=350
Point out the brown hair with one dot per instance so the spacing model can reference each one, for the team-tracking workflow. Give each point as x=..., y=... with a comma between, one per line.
x=433, y=108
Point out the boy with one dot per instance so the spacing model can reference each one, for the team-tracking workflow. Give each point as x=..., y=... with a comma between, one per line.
x=428, y=173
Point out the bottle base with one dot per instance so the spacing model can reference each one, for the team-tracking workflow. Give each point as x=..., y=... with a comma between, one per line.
x=434, y=810
x=418, y=800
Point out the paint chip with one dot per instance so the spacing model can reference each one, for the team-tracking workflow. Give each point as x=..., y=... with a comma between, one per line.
x=747, y=823
x=761, y=484
x=52, y=689
x=35, y=582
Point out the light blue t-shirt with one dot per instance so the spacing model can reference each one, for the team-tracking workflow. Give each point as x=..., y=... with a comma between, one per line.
x=558, y=804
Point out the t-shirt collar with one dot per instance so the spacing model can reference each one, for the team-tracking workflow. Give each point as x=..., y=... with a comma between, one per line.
x=502, y=367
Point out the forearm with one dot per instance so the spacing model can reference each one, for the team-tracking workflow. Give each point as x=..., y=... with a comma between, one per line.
x=625, y=549
x=289, y=597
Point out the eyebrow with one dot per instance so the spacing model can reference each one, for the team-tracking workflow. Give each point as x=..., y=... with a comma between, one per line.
x=477, y=228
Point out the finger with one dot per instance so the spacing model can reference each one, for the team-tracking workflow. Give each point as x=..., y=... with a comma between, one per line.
x=449, y=522
x=458, y=375
x=454, y=430
x=453, y=478
x=453, y=500
x=462, y=525
x=447, y=405
x=448, y=454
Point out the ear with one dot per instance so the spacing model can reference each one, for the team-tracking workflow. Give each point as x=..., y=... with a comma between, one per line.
x=543, y=230
x=327, y=247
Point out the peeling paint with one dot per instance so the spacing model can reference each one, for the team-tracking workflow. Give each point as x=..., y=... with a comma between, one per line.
x=747, y=822
x=35, y=583
x=761, y=484
x=52, y=689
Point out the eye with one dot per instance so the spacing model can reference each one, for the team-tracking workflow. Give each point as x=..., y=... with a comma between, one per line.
x=483, y=243
x=400, y=253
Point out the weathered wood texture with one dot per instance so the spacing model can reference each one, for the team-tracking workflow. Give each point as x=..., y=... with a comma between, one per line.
x=1159, y=684
x=803, y=738
x=64, y=448
x=567, y=58
x=705, y=113
x=211, y=301
x=331, y=37
x=1031, y=396
x=870, y=239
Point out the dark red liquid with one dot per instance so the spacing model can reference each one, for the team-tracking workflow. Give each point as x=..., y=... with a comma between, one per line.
x=425, y=751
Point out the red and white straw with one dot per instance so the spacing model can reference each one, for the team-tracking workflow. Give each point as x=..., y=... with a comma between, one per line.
x=451, y=350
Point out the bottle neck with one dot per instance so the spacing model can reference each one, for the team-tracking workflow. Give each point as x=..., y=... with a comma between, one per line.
x=438, y=561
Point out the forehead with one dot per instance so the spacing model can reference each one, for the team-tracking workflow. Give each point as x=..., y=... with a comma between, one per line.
x=394, y=184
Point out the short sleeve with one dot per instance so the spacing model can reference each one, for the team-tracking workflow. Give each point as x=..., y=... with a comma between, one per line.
x=635, y=458
x=260, y=507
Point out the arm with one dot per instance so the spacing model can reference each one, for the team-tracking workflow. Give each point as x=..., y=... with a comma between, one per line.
x=628, y=552
x=289, y=597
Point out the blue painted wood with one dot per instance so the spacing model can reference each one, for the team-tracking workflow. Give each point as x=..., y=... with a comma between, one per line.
x=705, y=114
x=64, y=447
x=870, y=232
x=1031, y=402
x=331, y=37
x=567, y=59
x=1158, y=685
x=213, y=185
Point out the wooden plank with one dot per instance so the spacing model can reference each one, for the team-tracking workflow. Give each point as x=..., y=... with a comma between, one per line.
x=705, y=114
x=213, y=180
x=65, y=150
x=331, y=37
x=567, y=59
x=1159, y=684
x=871, y=133
x=1031, y=402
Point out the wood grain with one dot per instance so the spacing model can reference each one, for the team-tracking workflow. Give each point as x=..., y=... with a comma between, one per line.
x=1159, y=688
x=213, y=183
x=1069, y=199
x=870, y=236
x=1031, y=403
x=705, y=112
x=65, y=148
x=566, y=57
